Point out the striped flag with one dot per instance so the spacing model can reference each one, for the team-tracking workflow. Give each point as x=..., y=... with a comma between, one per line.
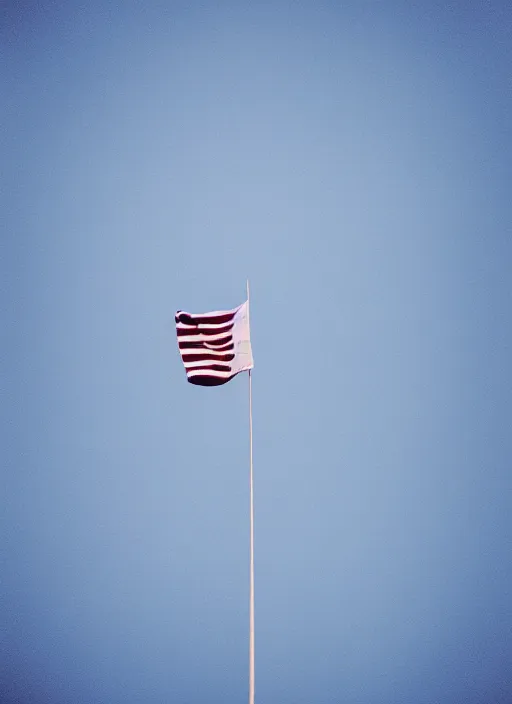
x=216, y=346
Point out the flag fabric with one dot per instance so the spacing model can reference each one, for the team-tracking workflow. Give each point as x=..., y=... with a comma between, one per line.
x=215, y=346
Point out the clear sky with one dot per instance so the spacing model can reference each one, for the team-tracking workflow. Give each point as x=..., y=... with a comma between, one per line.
x=354, y=160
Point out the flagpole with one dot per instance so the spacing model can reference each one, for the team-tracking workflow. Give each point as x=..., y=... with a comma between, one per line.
x=251, y=588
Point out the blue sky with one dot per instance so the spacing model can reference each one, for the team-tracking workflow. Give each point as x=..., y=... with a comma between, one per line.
x=354, y=161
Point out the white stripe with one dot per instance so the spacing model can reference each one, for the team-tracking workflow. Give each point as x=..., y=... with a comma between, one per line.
x=209, y=372
x=201, y=337
x=201, y=363
x=221, y=348
x=206, y=354
x=203, y=326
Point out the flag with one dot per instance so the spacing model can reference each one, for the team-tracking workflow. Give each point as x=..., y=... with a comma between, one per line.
x=216, y=346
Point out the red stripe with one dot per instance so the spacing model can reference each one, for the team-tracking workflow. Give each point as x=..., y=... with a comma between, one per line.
x=204, y=319
x=209, y=380
x=199, y=356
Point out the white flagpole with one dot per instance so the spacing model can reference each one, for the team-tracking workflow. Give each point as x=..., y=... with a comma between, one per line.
x=251, y=589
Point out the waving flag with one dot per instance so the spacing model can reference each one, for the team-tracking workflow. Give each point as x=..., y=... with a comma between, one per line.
x=215, y=346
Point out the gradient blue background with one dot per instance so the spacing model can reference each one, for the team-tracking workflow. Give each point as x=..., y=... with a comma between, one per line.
x=354, y=160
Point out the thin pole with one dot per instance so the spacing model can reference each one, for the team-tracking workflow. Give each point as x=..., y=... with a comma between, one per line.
x=251, y=590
